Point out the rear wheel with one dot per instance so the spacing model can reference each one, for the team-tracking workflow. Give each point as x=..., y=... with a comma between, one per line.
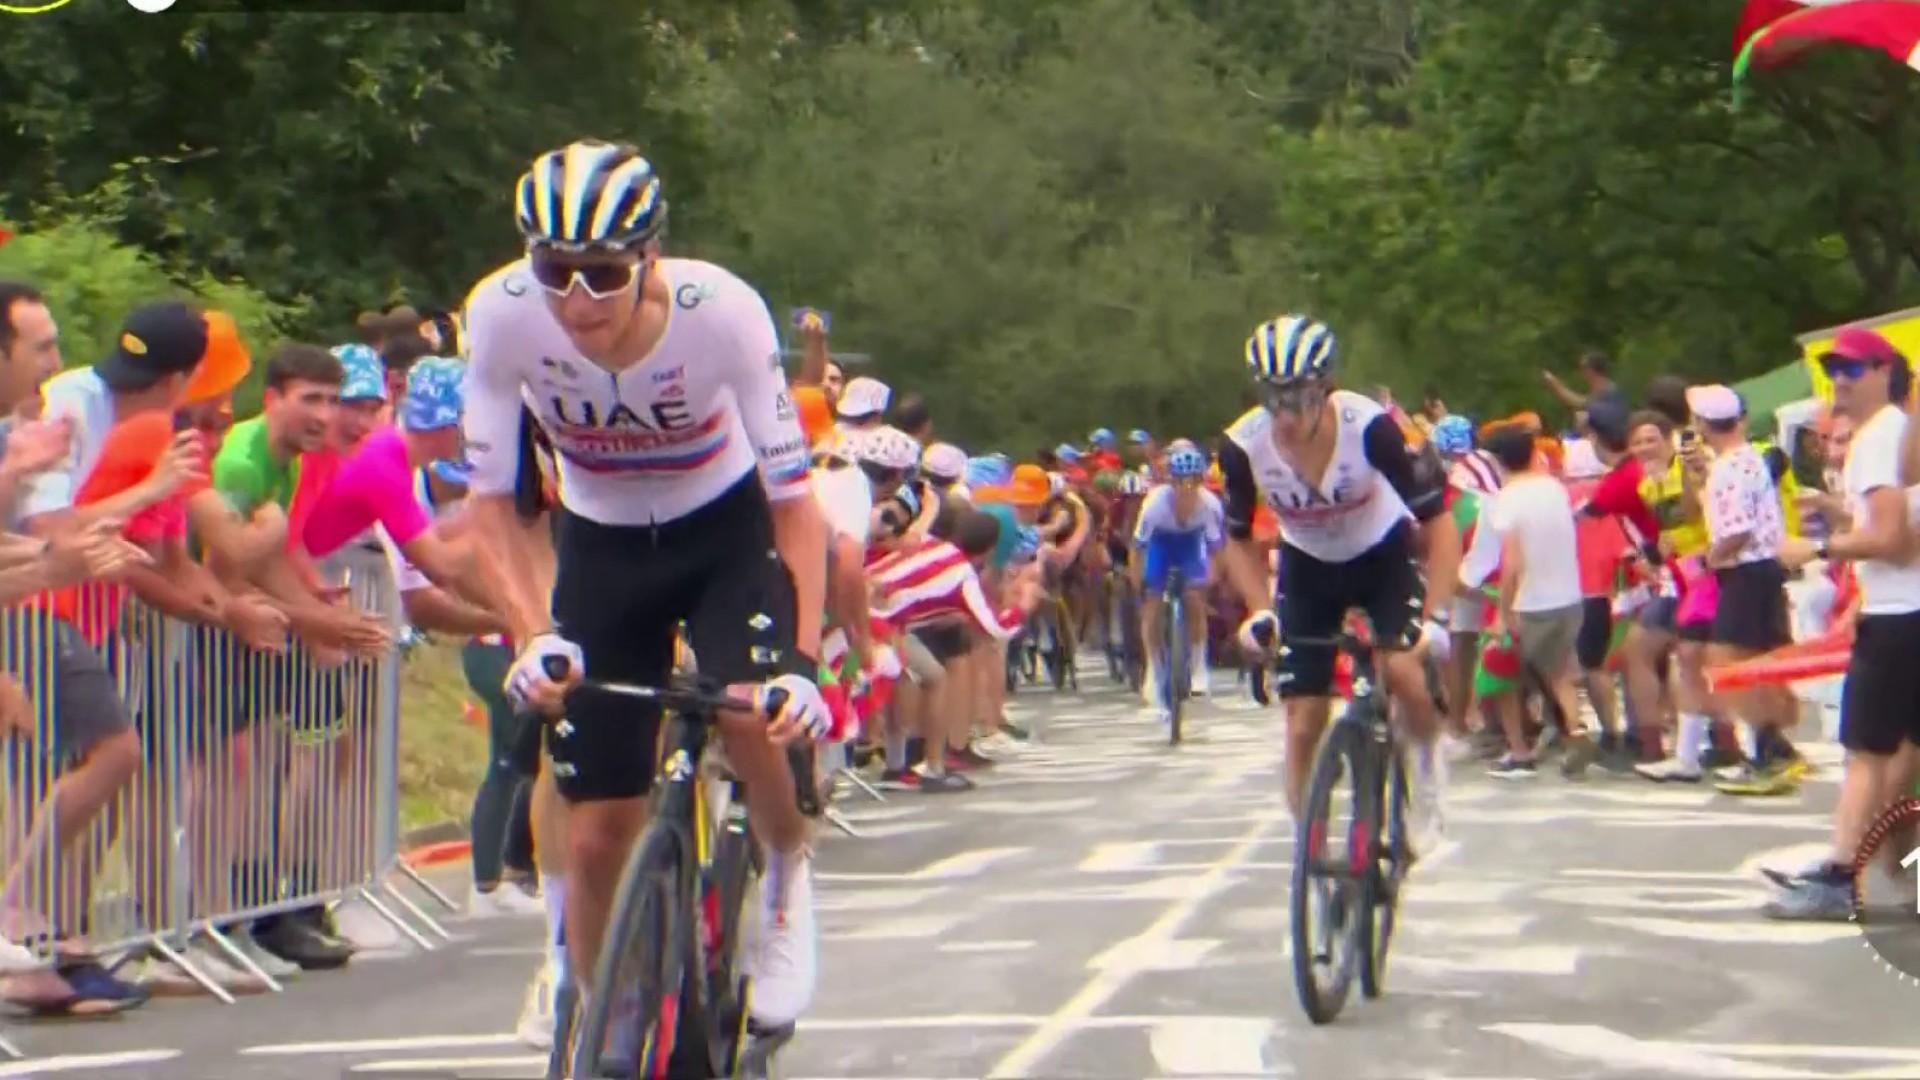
x=1329, y=891
x=631, y=1024
x=1175, y=675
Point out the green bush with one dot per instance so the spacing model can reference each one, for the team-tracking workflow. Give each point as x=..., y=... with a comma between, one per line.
x=92, y=280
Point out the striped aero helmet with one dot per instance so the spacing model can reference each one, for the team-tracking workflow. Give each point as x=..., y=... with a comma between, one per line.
x=590, y=196
x=1291, y=347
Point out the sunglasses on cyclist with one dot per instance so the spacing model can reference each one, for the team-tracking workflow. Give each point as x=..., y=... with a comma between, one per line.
x=1847, y=367
x=559, y=274
x=1293, y=397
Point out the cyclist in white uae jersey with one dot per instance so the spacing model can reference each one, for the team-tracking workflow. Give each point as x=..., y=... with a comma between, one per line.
x=683, y=496
x=1350, y=497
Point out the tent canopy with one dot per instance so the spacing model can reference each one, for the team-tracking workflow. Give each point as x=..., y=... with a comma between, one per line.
x=1764, y=393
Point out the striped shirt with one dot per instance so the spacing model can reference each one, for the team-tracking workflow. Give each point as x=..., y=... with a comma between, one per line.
x=1475, y=471
x=937, y=581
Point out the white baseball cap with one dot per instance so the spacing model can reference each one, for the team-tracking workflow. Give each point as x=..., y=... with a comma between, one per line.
x=863, y=397
x=1715, y=403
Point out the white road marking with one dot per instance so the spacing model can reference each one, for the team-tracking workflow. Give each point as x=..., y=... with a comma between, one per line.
x=451, y=1065
x=1170, y=955
x=1110, y=980
x=387, y=1046
x=1653, y=897
x=965, y=864
x=903, y=928
x=1523, y=960
x=1009, y=946
x=1623, y=1053
x=76, y=1062
x=1744, y=932
x=871, y=899
x=1211, y=1047
x=1655, y=875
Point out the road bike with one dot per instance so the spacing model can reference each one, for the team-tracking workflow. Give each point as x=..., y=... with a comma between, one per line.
x=1176, y=652
x=1055, y=644
x=668, y=999
x=1345, y=902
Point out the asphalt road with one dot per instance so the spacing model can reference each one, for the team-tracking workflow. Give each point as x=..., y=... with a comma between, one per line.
x=1106, y=907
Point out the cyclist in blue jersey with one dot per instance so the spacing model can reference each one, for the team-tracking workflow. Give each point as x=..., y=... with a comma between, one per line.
x=1181, y=524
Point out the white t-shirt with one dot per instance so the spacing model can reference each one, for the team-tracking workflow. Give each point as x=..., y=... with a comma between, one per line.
x=846, y=501
x=79, y=395
x=1536, y=511
x=1741, y=498
x=1873, y=462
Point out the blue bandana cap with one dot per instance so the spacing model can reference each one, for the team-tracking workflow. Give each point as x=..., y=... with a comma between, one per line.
x=364, y=377
x=433, y=400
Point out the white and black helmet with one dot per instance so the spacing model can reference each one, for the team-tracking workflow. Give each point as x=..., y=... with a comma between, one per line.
x=590, y=196
x=889, y=448
x=1292, y=347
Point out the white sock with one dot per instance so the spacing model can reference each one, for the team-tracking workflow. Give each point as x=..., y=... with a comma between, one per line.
x=1691, y=739
x=1749, y=737
x=553, y=889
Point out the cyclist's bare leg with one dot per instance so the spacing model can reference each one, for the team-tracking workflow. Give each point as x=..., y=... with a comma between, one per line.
x=1406, y=677
x=599, y=833
x=1306, y=722
x=1152, y=614
x=1197, y=620
x=763, y=769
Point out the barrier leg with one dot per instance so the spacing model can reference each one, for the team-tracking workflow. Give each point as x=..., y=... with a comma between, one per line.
x=399, y=923
x=10, y=1051
x=839, y=821
x=413, y=909
x=159, y=945
x=856, y=780
x=239, y=959
x=427, y=887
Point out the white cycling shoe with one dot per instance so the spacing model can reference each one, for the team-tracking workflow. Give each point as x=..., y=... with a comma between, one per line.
x=784, y=962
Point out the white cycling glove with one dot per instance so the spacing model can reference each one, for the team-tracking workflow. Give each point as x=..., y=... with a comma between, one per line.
x=803, y=705
x=1254, y=621
x=1439, y=640
x=529, y=668
x=884, y=663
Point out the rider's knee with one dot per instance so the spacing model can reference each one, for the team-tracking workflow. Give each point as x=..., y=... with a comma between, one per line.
x=592, y=843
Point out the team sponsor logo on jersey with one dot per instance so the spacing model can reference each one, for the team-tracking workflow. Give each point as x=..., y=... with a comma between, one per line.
x=515, y=284
x=669, y=375
x=784, y=409
x=690, y=295
x=584, y=417
x=794, y=447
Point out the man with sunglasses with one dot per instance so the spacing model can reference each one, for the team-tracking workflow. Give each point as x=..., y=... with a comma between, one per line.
x=684, y=495
x=1356, y=510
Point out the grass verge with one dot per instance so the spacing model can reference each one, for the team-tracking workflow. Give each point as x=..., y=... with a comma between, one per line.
x=442, y=752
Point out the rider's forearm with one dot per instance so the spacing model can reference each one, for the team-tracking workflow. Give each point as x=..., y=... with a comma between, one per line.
x=1443, y=562
x=518, y=555
x=1246, y=571
x=800, y=535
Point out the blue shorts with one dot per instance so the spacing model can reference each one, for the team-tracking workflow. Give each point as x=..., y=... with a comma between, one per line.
x=1166, y=550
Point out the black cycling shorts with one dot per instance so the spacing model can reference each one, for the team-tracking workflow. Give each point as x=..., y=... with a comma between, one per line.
x=621, y=592
x=1596, y=633
x=1315, y=596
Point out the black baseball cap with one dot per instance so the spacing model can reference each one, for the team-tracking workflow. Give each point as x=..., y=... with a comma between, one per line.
x=158, y=340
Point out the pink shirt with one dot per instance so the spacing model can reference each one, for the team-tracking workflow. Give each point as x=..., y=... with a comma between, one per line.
x=372, y=486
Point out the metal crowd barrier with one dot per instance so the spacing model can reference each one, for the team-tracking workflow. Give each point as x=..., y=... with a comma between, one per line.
x=253, y=784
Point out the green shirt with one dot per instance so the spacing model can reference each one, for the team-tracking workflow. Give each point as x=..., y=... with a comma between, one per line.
x=246, y=472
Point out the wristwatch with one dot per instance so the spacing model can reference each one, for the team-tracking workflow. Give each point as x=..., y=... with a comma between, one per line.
x=1823, y=550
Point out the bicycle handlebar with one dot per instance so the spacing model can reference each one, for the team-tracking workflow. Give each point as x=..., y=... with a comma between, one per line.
x=701, y=697
x=1351, y=644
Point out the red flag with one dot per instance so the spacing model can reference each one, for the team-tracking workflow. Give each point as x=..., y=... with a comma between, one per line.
x=6, y=234
x=1891, y=26
x=1758, y=13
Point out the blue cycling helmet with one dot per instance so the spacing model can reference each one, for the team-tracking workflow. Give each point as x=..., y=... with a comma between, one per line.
x=1067, y=452
x=990, y=471
x=1102, y=437
x=1138, y=436
x=1186, y=463
x=1453, y=435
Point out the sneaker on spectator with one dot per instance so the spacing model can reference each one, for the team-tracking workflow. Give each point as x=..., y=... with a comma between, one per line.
x=1668, y=769
x=16, y=958
x=97, y=990
x=280, y=970
x=504, y=900
x=1826, y=897
x=1455, y=749
x=1580, y=754
x=1014, y=731
x=1513, y=768
x=1745, y=779
x=899, y=780
x=297, y=941
x=997, y=745
x=944, y=784
x=967, y=759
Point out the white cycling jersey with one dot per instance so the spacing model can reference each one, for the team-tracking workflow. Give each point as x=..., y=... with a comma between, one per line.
x=1159, y=517
x=654, y=442
x=1370, y=485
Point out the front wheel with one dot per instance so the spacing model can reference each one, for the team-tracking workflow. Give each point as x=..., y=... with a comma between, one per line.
x=630, y=1026
x=1176, y=678
x=1389, y=868
x=1329, y=893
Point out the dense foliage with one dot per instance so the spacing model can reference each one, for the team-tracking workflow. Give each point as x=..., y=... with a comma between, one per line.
x=1047, y=214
